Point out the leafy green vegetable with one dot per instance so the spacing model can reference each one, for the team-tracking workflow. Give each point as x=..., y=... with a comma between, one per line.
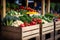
x=23, y=11
x=8, y=20
x=25, y=18
x=12, y=13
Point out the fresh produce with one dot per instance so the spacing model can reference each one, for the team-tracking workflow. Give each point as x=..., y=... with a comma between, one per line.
x=39, y=21
x=17, y=23
x=37, y=16
x=23, y=11
x=21, y=7
x=30, y=9
x=25, y=18
x=27, y=10
x=21, y=18
x=28, y=18
x=14, y=13
x=47, y=19
x=22, y=25
x=49, y=15
x=8, y=20
x=34, y=19
x=33, y=23
x=26, y=24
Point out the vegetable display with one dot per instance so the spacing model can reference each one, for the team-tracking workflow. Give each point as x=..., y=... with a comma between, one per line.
x=26, y=17
x=20, y=18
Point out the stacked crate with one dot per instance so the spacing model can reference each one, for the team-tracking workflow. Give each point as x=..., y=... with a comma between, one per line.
x=57, y=30
x=25, y=33
x=48, y=31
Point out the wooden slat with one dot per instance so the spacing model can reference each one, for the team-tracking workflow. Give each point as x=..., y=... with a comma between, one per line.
x=32, y=36
x=30, y=32
x=57, y=28
x=48, y=28
x=47, y=24
x=47, y=32
x=58, y=22
x=30, y=28
x=58, y=25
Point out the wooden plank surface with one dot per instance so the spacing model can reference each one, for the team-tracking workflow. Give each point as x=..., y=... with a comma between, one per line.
x=47, y=24
x=31, y=36
x=30, y=32
x=30, y=27
x=4, y=8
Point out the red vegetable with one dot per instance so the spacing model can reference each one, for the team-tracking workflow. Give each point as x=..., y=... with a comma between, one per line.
x=26, y=24
x=34, y=19
x=28, y=8
x=22, y=25
x=33, y=23
x=39, y=22
x=21, y=7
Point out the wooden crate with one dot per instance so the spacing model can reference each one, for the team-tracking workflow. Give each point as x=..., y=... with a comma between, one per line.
x=30, y=32
x=57, y=25
x=57, y=34
x=57, y=30
x=48, y=36
x=47, y=28
x=10, y=33
x=13, y=33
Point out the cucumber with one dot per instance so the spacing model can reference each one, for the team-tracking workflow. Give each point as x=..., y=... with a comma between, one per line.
x=27, y=17
x=23, y=19
x=46, y=19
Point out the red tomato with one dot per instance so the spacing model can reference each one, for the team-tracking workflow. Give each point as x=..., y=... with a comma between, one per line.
x=21, y=7
x=34, y=19
x=39, y=22
x=26, y=24
x=28, y=8
x=22, y=25
x=38, y=19
x=33, y=23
